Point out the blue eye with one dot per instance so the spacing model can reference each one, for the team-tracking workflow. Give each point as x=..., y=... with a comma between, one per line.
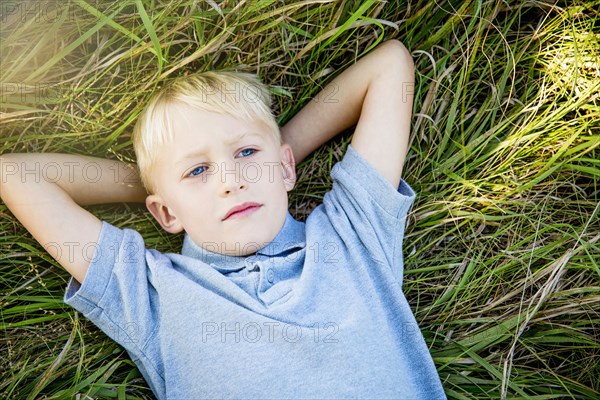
x=245, y=153
x=197, y=171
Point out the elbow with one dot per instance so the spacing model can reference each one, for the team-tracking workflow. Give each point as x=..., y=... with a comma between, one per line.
x=7, y=159
x=397, y=49
x=397, y=56
x=7, y=170
x=10, y=170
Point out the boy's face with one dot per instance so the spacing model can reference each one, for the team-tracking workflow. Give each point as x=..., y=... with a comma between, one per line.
x=214, y=164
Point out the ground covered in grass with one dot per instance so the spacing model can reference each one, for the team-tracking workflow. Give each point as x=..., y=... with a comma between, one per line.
x=502, y=245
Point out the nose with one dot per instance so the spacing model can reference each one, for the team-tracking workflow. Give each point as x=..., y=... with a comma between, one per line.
x=232, y=179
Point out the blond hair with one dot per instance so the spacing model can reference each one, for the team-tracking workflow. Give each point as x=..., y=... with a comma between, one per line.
x=241, y=95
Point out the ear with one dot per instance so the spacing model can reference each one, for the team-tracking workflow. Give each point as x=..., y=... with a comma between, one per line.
x=288, y=166
x=163, y=214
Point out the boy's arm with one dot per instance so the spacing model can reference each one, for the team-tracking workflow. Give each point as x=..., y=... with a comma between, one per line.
x=46, y=191
x=376, y=93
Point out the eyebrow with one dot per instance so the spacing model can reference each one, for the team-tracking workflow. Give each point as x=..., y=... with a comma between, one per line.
x=202, y=152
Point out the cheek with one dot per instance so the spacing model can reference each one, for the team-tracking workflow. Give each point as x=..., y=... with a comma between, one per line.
x=254, y=173
x=274, y=178
x=192, y=198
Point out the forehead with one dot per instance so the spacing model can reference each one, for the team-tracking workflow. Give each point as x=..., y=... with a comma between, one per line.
x=192, y=126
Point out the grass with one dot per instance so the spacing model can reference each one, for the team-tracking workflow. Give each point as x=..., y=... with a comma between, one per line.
x=502, y=245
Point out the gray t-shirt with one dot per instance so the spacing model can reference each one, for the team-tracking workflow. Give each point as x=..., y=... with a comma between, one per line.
x=317, y=313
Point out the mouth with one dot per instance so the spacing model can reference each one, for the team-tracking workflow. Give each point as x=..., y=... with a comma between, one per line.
x=242, y=210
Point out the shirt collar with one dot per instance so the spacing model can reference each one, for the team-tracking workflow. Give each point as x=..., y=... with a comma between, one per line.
x=291, y=236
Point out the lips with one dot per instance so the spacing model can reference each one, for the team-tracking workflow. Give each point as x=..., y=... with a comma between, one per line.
x=240, y=208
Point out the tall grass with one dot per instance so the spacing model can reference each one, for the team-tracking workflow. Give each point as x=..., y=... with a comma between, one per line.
x=502, y=246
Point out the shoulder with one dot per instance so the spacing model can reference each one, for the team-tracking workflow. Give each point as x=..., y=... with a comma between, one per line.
x=118, y=244
x=355, y=180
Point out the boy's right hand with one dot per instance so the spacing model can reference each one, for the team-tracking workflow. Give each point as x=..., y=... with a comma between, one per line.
x=46, y=193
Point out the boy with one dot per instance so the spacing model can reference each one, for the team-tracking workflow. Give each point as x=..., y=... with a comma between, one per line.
x=258, y=305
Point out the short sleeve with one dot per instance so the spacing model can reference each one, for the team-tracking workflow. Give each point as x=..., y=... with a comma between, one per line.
x=367, y=210
x=117, y=292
